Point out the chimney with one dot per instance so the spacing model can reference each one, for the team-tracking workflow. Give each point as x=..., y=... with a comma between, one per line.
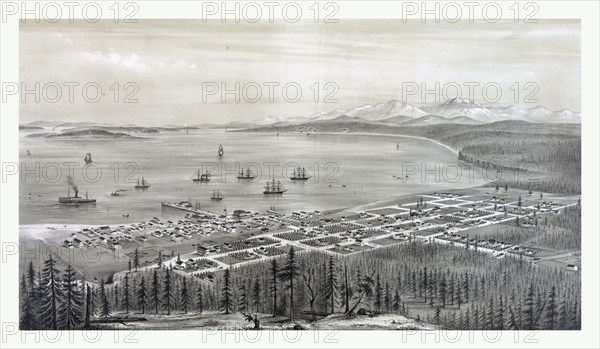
x=76, y=192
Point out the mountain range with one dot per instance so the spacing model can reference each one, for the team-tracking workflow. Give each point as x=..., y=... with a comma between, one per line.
x=454, y=111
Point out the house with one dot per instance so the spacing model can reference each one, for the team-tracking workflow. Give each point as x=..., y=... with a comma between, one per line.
x=202, y=249
x=572, y=267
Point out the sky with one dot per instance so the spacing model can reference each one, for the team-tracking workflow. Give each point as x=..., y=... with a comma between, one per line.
x=172, y=64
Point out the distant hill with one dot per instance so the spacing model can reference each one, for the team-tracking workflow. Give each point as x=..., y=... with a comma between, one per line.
x=91, y=133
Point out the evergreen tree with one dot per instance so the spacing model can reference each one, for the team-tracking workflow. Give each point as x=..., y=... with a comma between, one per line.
x=136, y=259
x=528, y=314
x=378, y=291
x=167, y=293
x=199, y=299
x=226, y=301
x=142, y=295
x=331, y=284
x=185, y=296
x=387, y=298
x=273, y=289
x=288, y=274
x=442, y=293
x=243, y=301
x=256, y=296
x=105, y=305
x=27, y=319
x=51, y=296
x=550, y=318
x=70, y=311
x=155, y=291
x=126, y=293
x=397, y=301
x=499, y=319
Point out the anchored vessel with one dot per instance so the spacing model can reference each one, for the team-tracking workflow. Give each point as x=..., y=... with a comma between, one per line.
x=299, y=174
x=88, y=158
x=203, y=178
x=75, y=200
x=246, y=174
x=221, y=151
x=273, y=187
x=216, y=195
x=143, y=184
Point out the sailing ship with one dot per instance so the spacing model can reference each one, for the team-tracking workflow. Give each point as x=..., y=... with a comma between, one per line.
x=221, y=151
x=299, y=174
x=202, y=178
x=273, y=187
x=88, y=158
x=143, y=184
x=216, y=195
x=246, y=175
x=397, y=145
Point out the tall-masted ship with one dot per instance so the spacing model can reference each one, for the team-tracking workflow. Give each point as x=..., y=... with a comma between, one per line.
x=299, y=174
x=246, y=174
x=274, y=187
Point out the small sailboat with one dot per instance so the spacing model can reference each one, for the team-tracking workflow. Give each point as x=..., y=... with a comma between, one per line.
x=398, y=146
x=273, y=187
x=143, y=184
x=88, y=158
x=202, y=178
x=221, y=151
x=216, y=195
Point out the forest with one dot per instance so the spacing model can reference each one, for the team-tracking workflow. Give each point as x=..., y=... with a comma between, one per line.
x=447, y=286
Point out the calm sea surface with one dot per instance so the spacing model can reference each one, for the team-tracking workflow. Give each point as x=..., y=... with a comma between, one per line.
x=347, y=170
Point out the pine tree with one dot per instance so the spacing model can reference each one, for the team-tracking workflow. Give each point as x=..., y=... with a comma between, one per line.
x=436, y=316
x=489, y=316
x=387, y=298
x=563, y=317
x=378, y=291
x=550, y=318
x=528, y=314
x=136, y=259
x=331, y=284
x=155, y=291
x=243, y=300
x=105, y=306
x=256, y=295
x=126, y=294
x=70, y=312
x=26, y=316
x=142, y=295
x=51, y=296
x=31, y=278
x=226, y=301
x=288, y=274
x=185, y=296
x=167, y=293
x=200, y=299
x=159, y=260
x=458, y=293
x=397, y=301
x=466, y=287
x=442, y=289
x=273, y=289
x=499, y=319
